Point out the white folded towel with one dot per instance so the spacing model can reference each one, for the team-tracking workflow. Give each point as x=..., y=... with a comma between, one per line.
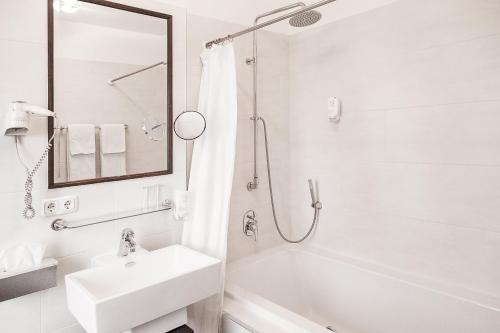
x=81, y=139
x=113, y=150
x=113, y=138
x=81, y=152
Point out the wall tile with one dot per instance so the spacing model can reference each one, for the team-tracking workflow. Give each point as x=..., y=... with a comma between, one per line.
x=23, y=21
x=451, y=194
x=408, y=178
x=21, y=315
x=22, y=79
x=453, y=255
x=459, y=195
x=454, y=134
x=393, y=28
x=422, y=77
x=55, y=313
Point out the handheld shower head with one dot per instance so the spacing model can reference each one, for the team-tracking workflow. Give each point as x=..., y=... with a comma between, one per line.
x=305, y=19
x=311, y=189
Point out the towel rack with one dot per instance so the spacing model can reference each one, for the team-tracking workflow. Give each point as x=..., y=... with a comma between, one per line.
x=61, y=224
x=62, y=128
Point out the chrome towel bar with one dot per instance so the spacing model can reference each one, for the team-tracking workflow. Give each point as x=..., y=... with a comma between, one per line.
x=61, y=224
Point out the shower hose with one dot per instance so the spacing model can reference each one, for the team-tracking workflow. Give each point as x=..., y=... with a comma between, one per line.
x=315, y=204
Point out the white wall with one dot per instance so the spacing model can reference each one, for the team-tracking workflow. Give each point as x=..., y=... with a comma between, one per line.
x=23, y=69
x=409, y=178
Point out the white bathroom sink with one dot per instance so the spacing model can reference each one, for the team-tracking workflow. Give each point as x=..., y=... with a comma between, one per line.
x=118, y=296
x=113, y=258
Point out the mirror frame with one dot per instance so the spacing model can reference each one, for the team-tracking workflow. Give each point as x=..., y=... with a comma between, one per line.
x=50, y=121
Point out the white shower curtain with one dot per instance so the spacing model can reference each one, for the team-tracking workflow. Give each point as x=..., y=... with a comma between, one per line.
x=212, y=173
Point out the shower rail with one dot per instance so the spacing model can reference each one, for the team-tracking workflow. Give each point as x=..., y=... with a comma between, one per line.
x=267, y=23
x=112, y=82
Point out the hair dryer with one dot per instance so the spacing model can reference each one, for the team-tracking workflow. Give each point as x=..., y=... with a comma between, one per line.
x=17, y=123
x=17, y=118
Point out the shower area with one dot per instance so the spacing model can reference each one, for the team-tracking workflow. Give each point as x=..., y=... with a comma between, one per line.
x=357, y=206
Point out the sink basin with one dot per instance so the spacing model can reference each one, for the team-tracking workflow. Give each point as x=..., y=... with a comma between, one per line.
x=121, y=296
x=112, y=257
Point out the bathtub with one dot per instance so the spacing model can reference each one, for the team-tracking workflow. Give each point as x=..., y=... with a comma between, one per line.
x=300, y=290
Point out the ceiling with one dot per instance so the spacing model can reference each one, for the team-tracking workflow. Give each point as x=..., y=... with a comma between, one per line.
x=241, y=12
x=244, y=11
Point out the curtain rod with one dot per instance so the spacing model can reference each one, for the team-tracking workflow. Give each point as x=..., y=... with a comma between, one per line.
x=267, y=23
x=111, y=82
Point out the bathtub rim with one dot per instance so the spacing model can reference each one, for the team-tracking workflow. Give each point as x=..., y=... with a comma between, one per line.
x=459, y=293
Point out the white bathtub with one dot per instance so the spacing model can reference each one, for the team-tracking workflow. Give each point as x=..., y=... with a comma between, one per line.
x=297, y=290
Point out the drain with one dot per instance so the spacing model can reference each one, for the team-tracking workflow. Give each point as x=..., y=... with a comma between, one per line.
x=331, y=329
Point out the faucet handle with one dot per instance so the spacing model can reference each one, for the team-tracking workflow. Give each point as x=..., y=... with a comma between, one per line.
x=250, y=224
x=254, y=228
x=128, y=233
x=127, y=243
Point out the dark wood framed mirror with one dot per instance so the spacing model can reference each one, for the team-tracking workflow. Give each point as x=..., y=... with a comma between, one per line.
x=110, y=84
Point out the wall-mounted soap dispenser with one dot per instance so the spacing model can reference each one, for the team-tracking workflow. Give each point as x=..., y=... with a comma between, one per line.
x=334, y=109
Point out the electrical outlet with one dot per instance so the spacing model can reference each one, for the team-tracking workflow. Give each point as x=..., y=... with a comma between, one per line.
x=60, y=206
x=49, y=208
x=69, y=205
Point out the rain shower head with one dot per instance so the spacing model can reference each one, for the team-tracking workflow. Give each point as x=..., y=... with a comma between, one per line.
x=305, y=19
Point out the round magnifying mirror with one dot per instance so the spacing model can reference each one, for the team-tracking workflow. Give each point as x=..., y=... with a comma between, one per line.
x=189, y=125
x=154, y=129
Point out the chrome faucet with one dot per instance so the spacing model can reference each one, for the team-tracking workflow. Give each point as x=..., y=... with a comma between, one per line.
x=127, y=243
x=250, y=224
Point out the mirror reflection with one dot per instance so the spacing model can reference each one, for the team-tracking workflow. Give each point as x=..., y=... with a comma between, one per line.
x=189, y=125
x=111, y=89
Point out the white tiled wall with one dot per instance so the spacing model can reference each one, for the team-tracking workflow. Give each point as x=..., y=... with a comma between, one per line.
x=273, y=105
x=23, y=76
x=409, y=179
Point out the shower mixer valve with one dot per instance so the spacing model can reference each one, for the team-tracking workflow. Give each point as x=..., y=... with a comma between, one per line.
x=250, y=224
x=253, y=184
